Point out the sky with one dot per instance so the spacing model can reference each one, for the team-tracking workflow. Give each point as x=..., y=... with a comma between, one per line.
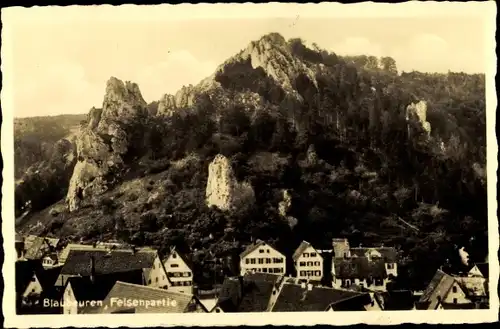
x=61, y=59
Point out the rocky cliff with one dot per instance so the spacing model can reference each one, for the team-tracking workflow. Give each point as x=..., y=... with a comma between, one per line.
x=102, y=144
x=223, y=190
x=419, y=112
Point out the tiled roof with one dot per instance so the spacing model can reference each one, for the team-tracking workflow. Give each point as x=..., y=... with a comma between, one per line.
x=253, y=247
x=184, y=259
x=298, y=252
x=294, y=298
x=473, y=286
x=396, y=300
x=461, y=306
x=353, y=303
x=174, y=302
x=24, y=272
x=78, y=261
x=437, y=289
x=359, y=267
x=48, y=277
x=86, y=289
x=389, y=254
x=253, y=296
x=484, y=269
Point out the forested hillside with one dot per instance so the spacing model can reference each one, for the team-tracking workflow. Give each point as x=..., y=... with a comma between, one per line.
x=355, y=166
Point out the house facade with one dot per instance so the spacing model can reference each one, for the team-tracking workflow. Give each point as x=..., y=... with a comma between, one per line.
x=308, y=262
x=262, y=258
x=178, y=272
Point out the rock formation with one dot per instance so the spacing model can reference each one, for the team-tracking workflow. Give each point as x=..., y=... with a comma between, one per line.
x=419, y=111
x=284, y=207
x=101, y=145
x=223, y=190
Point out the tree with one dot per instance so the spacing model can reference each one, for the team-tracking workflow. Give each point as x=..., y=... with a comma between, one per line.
x=389, y=65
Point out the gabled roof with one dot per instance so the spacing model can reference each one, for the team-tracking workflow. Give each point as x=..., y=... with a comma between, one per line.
x=181, y=256
x=437, y=289
x=484, y=269
x=359, y=267
x=250, y=293
x=183, y=302
x=389, y=254
x=300, y=250
x=24, y=272
x=84, y=288
x=48, y=277
x=473, y=286
x=353, y=303
x=294, y=298
x=255, y=246
x=396, y=300
x=78, y=261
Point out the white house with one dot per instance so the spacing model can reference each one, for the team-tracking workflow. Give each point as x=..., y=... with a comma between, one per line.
x=261, y=257
x=178, y=272
x=388, y=254
x=308, y=262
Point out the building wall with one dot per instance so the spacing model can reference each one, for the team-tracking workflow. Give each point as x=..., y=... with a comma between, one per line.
x=70, y=305
x=157, y=275
x=456, y=295
x=309, y=265
x=179, y=273
x=341, y=248
x=263, y=259
x=34, y=287
x=391, y=268
x=343, y=283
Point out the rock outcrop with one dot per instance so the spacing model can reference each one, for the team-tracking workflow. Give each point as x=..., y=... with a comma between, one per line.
x=101, y=145
x=223, y=190
x=419, y=111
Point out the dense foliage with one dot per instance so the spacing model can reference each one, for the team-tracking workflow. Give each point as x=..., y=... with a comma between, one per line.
x=355, y=167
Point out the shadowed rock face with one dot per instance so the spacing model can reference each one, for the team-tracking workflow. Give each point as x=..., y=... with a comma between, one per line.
x=102, y=144
x=419, y=112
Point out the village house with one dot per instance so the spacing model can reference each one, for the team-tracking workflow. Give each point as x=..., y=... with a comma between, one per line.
x=447, y=291
x=296, y=296
x=84, y=295
x=178, y=272
x=63, y=254
x=132, y=298
x=33, y=284
x=308, y=262
x=367, y=268
x=263, y=258
x=114, y=261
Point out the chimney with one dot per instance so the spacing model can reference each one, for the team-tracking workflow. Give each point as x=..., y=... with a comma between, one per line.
x=92, y=269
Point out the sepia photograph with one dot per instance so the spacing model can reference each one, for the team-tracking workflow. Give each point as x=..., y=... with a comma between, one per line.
x=250, y=160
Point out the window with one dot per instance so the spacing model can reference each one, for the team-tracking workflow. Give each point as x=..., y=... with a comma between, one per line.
x=174, y=265
x=261, y=260
x=163, y=277
x=313, y=254
x=317, y=263
x=261, y=251
x=267, y=250
x=268, y=260
x=252, y=260
x=264, y=270
x=390, y=266
x=174, y=255
x=156, y=279
x=302, y=263
x=455, y=301
x=33, y=290
x=302, y=273
x=318, y=273
x=247, y=261
x=33, y=279
x=310, y=263
x=149, y=281
x=306, y=254
x=454, y=289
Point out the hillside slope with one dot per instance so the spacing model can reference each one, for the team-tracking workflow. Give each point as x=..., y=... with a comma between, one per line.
x=330, y=147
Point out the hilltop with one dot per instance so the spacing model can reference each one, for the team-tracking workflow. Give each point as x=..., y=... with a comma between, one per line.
x=282, y=143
